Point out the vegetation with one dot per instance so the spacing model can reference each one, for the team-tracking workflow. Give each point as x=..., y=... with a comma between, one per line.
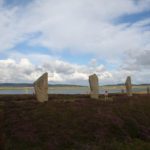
x=75, y=122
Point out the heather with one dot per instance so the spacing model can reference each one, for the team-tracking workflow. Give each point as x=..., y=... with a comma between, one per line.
x=75, y=122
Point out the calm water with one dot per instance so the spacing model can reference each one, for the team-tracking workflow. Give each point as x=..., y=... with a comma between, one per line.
x=66, y=90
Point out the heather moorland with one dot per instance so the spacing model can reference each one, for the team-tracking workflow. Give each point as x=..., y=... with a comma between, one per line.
x=75, y=122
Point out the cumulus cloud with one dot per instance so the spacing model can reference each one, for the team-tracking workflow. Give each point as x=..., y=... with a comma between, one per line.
x=59, y=71
x=12, y=71
x=143, y=59
x=136, y=61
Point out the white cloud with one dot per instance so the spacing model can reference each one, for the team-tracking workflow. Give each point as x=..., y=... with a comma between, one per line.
x=77, y=25
x=12, y=71
x=81, y=26
x=59, y=71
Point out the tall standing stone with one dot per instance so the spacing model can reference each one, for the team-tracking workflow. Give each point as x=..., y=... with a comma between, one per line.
x=94, y=86
x=148, y=90
x=41, y=88
x=128, y=86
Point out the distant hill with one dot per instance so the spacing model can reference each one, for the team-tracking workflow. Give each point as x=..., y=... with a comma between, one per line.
x=121, y=84
x=66, y=85
x=31, y=85
x=16, y=85
x=59, y=85
x=142, y=84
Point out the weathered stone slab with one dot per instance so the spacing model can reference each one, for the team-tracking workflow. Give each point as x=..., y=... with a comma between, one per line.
x=128, y=86
x=148, y=90
x=41, y=88
x=94, y=86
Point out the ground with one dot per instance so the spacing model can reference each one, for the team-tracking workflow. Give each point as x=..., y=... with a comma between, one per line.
x=75, y=122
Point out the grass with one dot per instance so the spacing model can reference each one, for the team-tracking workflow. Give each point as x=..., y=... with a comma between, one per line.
x=15, y=88
x=75, y=122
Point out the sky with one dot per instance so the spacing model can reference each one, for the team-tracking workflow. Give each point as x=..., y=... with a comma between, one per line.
x=72, y=39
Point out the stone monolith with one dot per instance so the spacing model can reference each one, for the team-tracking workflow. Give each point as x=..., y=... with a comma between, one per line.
x=148, y=90
x=94, y=86
x=41, y=88
x=128, y=86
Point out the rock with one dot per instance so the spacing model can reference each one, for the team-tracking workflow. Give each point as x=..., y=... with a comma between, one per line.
x=148, y=90
x=94, y=86
x=41, y=88
x=128, y=86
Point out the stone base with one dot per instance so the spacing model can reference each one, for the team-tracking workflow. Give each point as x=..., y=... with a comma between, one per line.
x=94, y=96
x=129, y=94
x=110, y=99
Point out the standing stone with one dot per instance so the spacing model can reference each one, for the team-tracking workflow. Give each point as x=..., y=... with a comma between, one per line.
x=41, y=88
x=128, y=86
x=94, y=86
x=148, y=90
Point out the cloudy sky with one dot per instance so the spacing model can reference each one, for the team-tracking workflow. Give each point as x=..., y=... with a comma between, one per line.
x=71, y=39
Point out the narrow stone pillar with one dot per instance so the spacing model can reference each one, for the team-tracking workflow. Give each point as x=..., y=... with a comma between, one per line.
x=128, y=86
x=94, y=86
x=41, y=88
x=148, y=90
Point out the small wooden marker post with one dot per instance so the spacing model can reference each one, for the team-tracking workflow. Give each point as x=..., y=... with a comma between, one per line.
x=106, y=95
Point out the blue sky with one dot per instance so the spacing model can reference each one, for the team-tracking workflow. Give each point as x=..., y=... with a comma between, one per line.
x=73, y=39
x=132, y=18
x=16, y=2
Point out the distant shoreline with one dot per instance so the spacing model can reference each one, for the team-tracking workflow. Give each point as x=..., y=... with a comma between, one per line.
x=27, y=85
